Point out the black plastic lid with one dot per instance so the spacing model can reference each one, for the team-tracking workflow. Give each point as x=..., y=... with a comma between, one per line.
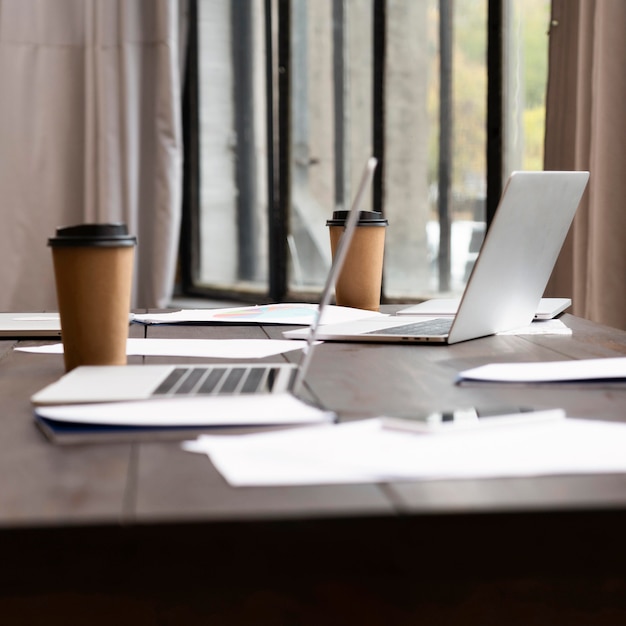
x=111, y=235
x=366, y=218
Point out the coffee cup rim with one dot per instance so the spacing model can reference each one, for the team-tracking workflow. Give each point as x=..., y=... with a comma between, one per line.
x=109, y=234
x=366, y=218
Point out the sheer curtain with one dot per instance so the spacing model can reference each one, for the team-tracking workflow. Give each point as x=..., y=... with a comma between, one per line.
x=90, y=130
x=586, y=129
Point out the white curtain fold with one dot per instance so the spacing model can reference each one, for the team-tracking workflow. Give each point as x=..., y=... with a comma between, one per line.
x=90, y=130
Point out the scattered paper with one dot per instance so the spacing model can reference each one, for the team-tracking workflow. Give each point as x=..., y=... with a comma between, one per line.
x=549, y=371
x=365, y=451
x=280, y=458
x=540, y=327
x=289, y=313
x=204, y=348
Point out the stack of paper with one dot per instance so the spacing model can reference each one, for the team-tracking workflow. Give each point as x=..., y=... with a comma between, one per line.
x=173, y=417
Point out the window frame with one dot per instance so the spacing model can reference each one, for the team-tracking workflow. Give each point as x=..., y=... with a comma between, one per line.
x=278, y=121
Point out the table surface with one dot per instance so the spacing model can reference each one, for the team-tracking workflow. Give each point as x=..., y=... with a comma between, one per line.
x=146, y=492
x=158, y=481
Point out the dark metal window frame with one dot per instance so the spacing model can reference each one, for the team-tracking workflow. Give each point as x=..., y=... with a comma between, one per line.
x=278, y=86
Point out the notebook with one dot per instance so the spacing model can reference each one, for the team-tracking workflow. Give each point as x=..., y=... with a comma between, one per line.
x=88, y=384
x=509, y=277
x=547, y=309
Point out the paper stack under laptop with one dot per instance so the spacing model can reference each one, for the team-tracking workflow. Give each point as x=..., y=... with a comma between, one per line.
x=172, y=418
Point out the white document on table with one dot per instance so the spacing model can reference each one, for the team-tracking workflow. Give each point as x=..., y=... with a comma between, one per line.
x=540, y=327
x=365, y=451
x=203, y=348
x=313, y=456
x=549, y=371
x=289, y=313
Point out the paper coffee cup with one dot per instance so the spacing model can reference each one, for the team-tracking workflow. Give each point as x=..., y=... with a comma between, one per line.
x=359, y=282
x=93, y=270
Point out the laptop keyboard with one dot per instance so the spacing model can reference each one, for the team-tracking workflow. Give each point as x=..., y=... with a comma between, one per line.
x=217, y=380
x=435, y=327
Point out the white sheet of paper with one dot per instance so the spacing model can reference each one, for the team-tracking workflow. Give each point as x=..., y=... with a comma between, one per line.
x=366, y=452
x=549, y=371
x=290, y=313
x=286, y=457
x=242, y=410
x=540, y=327
x=204, y=348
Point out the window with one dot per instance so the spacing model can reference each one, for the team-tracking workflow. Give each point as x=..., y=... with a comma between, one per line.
x=287, y=98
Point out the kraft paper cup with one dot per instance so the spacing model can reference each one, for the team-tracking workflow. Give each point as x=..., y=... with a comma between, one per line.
x=93, y=270
x=359, y=282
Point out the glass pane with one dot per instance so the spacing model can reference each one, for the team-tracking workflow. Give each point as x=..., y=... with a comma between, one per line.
x=526, y=72
x=331, y=124
x=415, y=76
x=332, y=55
x=233, y=146
x=332, y=68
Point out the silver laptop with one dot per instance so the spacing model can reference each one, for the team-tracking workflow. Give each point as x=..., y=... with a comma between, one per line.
x=510, y=275
x=24, y=324
x=113, y=383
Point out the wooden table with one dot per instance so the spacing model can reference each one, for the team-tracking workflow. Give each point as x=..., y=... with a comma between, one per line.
x=145, y=533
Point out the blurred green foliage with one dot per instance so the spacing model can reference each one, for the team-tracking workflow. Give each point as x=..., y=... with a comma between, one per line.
x=526, y=74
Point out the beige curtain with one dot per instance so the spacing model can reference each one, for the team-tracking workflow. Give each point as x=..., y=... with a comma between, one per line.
x=90, y=130
x=586, y=129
